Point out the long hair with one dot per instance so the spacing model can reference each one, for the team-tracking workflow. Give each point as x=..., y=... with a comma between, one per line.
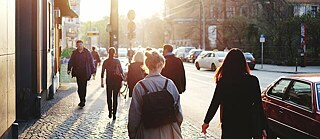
x=234, y=65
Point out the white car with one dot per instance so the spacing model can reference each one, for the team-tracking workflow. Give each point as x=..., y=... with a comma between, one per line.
x=210, y=60
x=182, y=52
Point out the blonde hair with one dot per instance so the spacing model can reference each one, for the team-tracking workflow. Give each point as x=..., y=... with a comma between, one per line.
x=138, y=57
x=154, y=60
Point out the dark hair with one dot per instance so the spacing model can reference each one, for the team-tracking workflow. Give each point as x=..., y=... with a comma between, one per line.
x=93, y=48
x=111, y=51
x=79, y=41
x=168, y=47
x=234, y=65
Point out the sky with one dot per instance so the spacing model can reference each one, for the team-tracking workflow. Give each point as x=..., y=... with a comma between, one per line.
x=93, y=10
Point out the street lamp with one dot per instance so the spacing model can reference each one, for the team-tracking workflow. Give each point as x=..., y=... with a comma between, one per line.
x=203, y=25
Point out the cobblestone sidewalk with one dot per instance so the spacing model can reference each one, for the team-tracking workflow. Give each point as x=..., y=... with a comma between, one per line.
x=64, y=119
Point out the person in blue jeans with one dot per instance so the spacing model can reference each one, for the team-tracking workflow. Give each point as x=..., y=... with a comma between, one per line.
x=82, y=67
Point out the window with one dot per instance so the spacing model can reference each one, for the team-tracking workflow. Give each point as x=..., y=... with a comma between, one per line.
x=208, y=55
x=314, y=10
x=299, y=94
x=279, y=88
x=318, y=94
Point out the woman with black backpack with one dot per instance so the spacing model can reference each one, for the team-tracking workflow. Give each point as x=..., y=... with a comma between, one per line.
x=151, y=94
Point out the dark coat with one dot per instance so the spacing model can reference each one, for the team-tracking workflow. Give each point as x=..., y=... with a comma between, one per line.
x=174, y=70
x=109, y=65
x=95, y=56
x=74, y=64
x=236, y=96
x=135, y=74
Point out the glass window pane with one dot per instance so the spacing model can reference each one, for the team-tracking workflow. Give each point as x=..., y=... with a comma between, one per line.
x=318, y=94
x=279, y=88
x=300, y=94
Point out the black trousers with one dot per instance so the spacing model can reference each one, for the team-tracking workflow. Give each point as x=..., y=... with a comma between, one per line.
x=82, y=87
x=112, y=93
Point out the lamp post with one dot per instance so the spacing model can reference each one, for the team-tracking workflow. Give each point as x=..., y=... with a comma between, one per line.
x=203, y=25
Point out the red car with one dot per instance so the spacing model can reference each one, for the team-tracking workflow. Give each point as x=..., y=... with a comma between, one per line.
x=292, y=107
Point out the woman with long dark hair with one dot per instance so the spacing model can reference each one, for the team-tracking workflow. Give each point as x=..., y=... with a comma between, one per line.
x=239, y=97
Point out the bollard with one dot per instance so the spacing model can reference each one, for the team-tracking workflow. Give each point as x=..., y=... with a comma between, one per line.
x=38, y=107
x=15, y=131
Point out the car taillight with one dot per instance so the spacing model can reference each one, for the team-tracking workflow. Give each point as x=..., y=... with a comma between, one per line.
x=253, y=60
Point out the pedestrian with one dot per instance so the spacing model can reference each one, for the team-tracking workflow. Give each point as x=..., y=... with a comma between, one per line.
x=136, y=71
x=153, y=82
x=114, y=78
x=174, y=68
x=82, y=67
x=238, y=94
x=96, y=59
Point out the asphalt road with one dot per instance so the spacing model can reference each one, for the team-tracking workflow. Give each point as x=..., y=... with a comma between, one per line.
x=199, y=92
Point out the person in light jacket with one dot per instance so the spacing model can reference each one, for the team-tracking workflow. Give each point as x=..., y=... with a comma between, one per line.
x=154, y=81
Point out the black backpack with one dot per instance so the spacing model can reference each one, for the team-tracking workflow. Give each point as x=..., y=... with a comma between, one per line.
x=158, y=108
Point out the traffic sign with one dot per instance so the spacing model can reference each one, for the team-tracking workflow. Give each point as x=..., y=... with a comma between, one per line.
x=131, y=26
x=262, y=38
x=90, y=34
x=131, y=15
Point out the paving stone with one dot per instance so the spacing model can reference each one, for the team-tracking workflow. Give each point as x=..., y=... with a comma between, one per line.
x=65, y=120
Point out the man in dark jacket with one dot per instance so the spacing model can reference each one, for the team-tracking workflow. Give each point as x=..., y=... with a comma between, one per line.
x=82, y=67
x=174, y=69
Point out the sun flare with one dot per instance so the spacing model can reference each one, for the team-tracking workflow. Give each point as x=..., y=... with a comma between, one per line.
x=93, y=10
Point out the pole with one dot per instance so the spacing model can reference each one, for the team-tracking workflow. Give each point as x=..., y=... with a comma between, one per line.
x=203, y=27
x=261, y=55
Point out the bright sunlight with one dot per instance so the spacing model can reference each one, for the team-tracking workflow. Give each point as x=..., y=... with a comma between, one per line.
x=93, y=10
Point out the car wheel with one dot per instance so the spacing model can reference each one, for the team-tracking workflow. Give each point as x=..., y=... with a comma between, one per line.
x=213, y=67
x=193, y=60
x=197, y=66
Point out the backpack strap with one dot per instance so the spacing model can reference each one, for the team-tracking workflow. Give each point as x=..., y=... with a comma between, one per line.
x=165, y=84
x=144, y=87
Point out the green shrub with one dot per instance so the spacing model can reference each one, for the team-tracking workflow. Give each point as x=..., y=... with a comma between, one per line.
x=67, y=52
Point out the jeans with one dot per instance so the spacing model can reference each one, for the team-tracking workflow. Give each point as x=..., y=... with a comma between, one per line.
x=112, y=92
x=82, y=87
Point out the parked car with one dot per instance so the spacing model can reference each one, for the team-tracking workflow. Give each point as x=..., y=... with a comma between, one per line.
x=250, y=60
x=193, y=54
x=292, y=107
x=103, y=52
x=122, y=52
x=210, y=60
x=182, y=52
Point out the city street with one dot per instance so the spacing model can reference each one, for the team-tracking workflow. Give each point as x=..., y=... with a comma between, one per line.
x=65, y=120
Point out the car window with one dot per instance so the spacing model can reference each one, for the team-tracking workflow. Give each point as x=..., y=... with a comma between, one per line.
x=213, y=55
x=279, y=88
x=208, y=55
x=318, y=94
x=248, y=56
x=188, y=49
x=222, y=54
x=300, y=94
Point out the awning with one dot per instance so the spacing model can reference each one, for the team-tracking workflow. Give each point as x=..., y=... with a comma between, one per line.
x=65, y=8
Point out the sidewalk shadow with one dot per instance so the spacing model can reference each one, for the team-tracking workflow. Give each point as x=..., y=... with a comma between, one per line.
x=63, y=92
x=89, y=122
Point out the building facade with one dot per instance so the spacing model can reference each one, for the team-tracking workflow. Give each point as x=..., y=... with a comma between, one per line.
x=7, y=70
